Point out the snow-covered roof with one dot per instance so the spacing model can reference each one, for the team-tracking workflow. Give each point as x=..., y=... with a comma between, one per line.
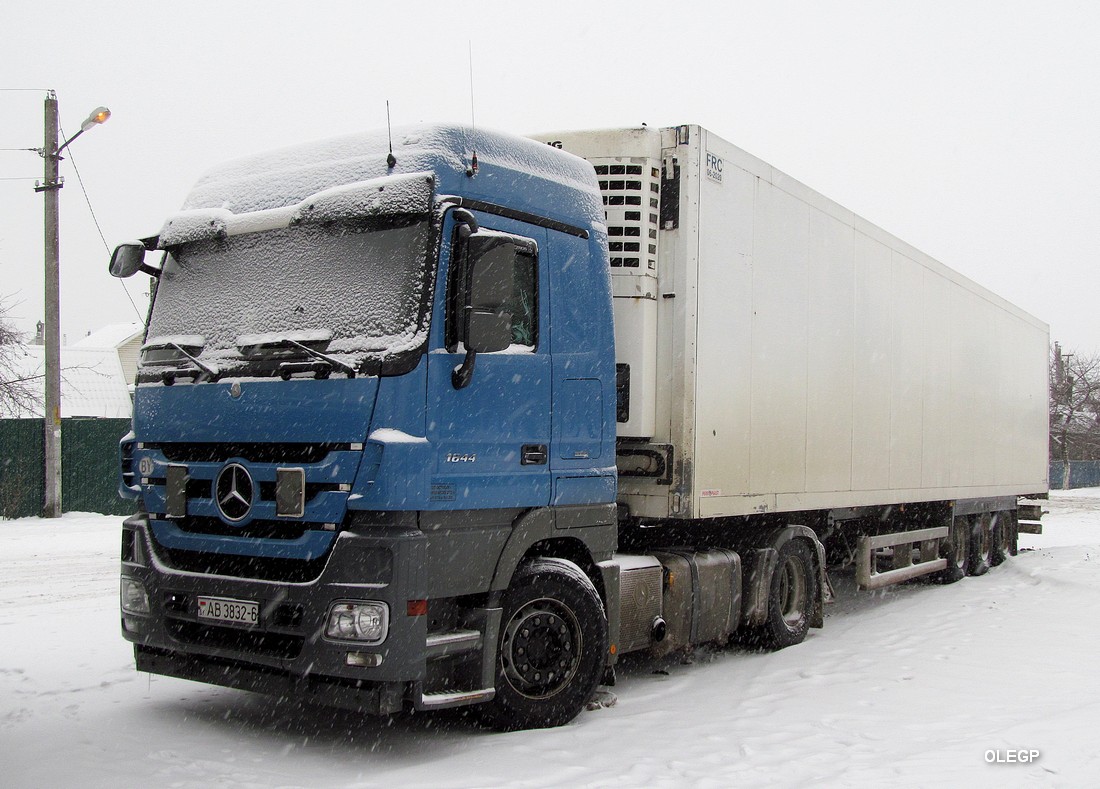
x=276, y=179
x=92, y=382
x=110, y=336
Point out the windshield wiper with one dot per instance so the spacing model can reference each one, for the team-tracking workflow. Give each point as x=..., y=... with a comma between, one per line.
x=169, y=376
x=288, y=368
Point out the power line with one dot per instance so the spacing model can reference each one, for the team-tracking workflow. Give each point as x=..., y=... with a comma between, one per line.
x=131, y=300
x=87, y=200
x=95, y=219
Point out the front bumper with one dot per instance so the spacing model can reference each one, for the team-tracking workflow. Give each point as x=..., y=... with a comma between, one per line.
x=367, y=697
x=287, y=652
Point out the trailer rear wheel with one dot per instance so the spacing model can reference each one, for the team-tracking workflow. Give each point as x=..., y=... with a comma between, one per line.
x=981, y=545
x=1005, y=536
x=553, y=641
x=1012, y=536
x=956, y=549
x=790, y=599
x=1001, y=529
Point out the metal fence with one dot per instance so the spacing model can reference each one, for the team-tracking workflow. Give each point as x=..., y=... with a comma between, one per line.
x=1082, y=474
x=89, y=466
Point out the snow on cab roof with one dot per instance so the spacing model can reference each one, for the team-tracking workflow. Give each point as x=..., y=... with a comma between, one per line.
x=280, y=178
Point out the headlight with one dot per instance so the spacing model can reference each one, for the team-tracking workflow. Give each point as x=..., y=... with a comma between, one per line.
x=134, y=598
x=358, y=621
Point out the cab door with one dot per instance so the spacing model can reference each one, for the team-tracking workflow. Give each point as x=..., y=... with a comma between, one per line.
x=489, y=426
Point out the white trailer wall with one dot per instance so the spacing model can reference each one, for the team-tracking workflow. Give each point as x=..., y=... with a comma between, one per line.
x=838, y=366
x=806, y=359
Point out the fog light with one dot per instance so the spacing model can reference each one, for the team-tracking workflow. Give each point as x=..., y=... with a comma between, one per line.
x=363, y=659
x=134, y=599
x=358, y=621
x=136, y=626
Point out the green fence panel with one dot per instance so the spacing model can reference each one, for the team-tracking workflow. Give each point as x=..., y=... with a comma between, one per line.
x=22, y=458
x=1082, y=474
x=89, y=466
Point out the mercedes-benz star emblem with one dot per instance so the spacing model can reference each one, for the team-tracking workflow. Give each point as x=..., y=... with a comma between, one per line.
x=234, y=492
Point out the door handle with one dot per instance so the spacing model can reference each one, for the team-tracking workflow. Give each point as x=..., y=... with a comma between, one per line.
x=533, y=455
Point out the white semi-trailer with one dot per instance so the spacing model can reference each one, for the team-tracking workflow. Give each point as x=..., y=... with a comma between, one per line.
x=793, y=355
x=779, y=354
x=530, y=413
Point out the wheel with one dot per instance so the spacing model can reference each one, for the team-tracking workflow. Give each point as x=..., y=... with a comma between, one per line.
x=1006, y=534
x=790, y=599
x=552, y=647
x=981, y=545
x=956, y=549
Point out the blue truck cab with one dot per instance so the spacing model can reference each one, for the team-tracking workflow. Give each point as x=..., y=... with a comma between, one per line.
x=373, y=447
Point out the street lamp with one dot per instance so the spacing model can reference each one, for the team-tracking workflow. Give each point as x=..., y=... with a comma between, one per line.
x=49, y=187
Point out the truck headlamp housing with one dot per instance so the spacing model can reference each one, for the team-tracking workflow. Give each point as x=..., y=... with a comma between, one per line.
x=134, y=598
x=365, y=621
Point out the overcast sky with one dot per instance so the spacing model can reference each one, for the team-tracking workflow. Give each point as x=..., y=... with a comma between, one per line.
x=969, y=129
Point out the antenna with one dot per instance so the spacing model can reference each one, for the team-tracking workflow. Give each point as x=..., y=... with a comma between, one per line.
x=471, y=171
x=473, y=122
x=391, y=160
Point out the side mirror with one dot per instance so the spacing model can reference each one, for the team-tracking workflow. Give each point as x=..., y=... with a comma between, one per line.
x=128, y=259
x=489, y=286
x=487, y=325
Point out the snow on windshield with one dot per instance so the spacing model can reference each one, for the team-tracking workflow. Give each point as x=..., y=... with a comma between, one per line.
x=362, y=287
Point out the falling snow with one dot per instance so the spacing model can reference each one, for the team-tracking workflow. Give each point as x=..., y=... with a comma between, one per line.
x=918, y=685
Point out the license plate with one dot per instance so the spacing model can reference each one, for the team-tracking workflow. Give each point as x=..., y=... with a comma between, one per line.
x=221, y=609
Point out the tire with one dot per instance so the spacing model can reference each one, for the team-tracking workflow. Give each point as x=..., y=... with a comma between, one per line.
x=1006, y=535
x=552, y=647
x=981, y=545
x=791, y=598
x=956, y=549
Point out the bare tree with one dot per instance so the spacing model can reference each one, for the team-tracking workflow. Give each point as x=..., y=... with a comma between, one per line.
x=20, y=388
x=1074, y=407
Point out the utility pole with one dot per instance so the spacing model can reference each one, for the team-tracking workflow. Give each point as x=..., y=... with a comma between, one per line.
x=50, y=185
x=52, y=413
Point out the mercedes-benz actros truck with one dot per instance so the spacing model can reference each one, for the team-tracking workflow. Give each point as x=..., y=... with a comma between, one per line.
x=449, y=417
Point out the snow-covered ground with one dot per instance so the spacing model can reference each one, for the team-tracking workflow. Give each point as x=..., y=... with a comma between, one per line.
x=914, y=686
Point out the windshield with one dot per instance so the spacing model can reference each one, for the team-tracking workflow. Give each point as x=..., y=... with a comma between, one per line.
x=351, y=290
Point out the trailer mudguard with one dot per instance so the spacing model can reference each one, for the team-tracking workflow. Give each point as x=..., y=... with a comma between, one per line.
x=762, y=563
